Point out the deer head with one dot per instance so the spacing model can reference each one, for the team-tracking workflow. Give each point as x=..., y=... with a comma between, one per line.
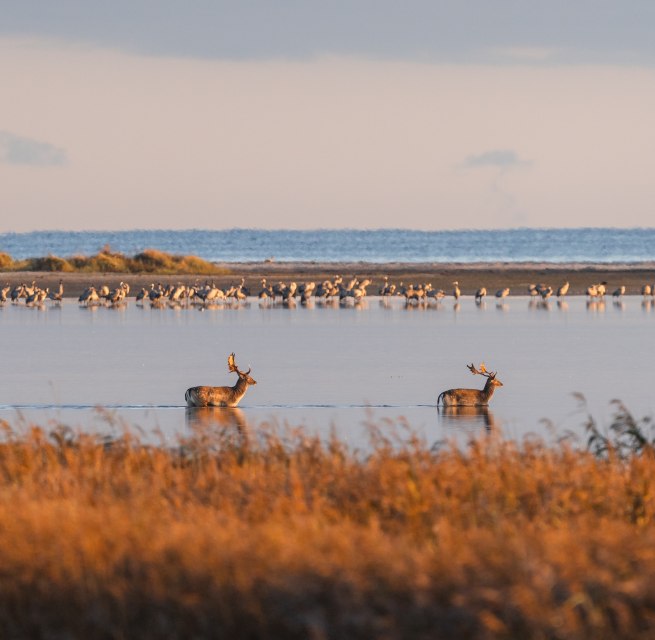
x=243, y=375
x=482, y=371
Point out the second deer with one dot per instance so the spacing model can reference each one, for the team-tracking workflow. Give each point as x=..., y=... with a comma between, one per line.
x=471, y=397
x=221, y=396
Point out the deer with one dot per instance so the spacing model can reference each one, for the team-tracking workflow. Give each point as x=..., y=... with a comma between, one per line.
x=221, y=396
x=471, y=397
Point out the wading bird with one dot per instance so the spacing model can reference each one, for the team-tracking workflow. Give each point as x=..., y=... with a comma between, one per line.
x=563, y=290
x=618, y=292
x=57, y=296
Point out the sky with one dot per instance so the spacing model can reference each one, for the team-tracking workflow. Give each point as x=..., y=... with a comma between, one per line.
x=305, y=114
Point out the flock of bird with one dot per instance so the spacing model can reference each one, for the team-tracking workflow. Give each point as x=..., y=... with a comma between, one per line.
x=333, y=291
x=34, y=296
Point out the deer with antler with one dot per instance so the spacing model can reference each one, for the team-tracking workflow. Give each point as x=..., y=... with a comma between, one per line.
x=472, y=397
x=221, y=396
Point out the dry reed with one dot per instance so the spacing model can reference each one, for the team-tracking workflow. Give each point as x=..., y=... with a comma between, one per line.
x=230, y=535
x=108, y=261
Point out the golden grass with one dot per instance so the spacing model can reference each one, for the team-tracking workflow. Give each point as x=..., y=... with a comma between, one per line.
x=6, y=261
x=290, y=537
x=106, y=261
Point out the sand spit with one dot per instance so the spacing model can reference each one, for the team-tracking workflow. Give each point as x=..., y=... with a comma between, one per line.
x=493, y=276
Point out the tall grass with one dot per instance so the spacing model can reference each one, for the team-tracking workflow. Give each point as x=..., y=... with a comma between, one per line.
x=108, y=261
x=235, y=535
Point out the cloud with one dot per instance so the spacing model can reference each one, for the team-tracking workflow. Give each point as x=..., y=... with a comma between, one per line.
x=498, y=158
x=585, y=31
x=18, y=150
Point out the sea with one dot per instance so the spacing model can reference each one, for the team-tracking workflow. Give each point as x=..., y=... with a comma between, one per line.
x=586, y=245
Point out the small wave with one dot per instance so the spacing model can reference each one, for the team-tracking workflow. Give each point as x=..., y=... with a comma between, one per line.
x=141, y=407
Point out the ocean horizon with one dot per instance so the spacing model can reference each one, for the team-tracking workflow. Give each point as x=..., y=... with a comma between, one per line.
x=555, y=245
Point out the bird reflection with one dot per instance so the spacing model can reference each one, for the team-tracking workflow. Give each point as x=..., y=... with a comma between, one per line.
x=596, y=306
x=471, y=417
x=543, y=305
x=226, y=422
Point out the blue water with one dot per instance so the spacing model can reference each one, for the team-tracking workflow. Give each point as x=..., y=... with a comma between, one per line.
x=345, y=245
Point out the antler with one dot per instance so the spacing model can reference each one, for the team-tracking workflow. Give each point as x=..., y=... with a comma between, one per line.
x=232, y=366
x=482, y=371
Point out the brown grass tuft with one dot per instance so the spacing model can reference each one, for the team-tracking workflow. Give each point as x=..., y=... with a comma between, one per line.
x=47, y=263
x=106, y=261
x=6, y=262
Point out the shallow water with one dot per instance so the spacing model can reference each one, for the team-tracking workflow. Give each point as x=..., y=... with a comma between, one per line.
x=327, y=367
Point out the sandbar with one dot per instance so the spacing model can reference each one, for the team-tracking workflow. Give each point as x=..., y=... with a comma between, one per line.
x=471, y=276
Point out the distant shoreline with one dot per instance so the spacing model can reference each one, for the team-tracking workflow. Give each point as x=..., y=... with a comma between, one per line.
x=348, y=245
x=471, y=276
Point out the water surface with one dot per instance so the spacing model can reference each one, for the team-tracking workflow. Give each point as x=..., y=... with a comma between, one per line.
x=326, y=367
x=595, y=245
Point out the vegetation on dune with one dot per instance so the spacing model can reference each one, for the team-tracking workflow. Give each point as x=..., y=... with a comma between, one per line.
x=287, y=536
x=6, y=261
x=107, y=261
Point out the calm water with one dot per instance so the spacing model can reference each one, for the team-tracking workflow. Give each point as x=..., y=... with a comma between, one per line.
x=322, y=367
x=382, y=245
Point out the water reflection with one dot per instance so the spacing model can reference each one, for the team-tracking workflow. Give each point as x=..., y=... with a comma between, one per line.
x=596, y=306
x=500, y=304
x=619, y=305
x=228, y=424
x=467, y=417
x=543, y=305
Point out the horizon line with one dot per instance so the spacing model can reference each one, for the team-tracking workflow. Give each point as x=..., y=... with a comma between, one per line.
x=327, y=229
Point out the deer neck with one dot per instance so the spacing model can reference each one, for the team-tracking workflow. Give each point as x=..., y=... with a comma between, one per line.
x=489, y=389
x=240, y=387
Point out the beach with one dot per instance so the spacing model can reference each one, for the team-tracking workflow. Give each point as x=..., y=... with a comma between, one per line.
x=471, y=276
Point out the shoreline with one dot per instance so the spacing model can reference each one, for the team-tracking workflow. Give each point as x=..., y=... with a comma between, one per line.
x=471, y=276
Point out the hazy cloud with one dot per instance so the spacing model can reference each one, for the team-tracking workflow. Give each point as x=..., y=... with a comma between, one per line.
x=18, y=150
x=584, y=31
x=498, y=158
x=506, y=207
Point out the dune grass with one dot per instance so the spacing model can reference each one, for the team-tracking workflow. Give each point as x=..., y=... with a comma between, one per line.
x=107, y=261
x=286, y=536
